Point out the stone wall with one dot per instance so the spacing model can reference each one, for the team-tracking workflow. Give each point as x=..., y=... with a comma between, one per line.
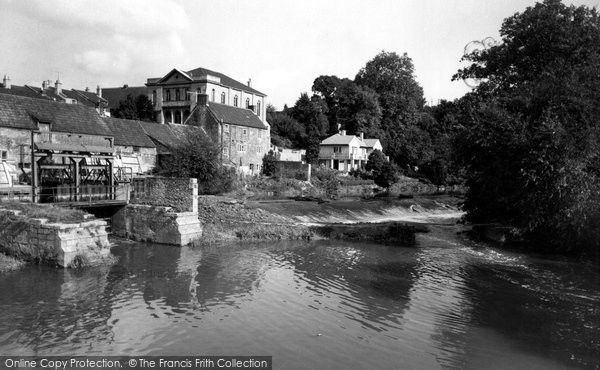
x=157, y=224
x=66, y=245
x=179, y=194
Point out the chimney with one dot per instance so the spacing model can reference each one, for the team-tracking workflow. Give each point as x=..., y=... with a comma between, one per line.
x=87, y=89
x=44, y=85
x=98, y=91
x=58, y=87
x=362, y=136
x=202, y=99
x=249, y=82
x=343, y=132
x=6, y=82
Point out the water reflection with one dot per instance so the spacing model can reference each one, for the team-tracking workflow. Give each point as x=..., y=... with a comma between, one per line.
x=446, y=302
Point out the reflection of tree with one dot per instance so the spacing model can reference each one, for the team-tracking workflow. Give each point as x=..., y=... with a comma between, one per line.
x=373, y=281
x=49, y=309
x=547, y=309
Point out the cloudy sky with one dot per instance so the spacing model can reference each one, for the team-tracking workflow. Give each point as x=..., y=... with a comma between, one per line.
x=283, y=45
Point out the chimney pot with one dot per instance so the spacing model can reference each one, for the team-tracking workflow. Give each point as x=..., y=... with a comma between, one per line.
x=58, y=86
x=343, y=132
x=362, y=136
x=6, y=82
x=249, y=82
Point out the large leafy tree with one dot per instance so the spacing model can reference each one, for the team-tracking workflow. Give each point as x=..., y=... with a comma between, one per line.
x=532, y=142
x=312, y=113
x=136, y=108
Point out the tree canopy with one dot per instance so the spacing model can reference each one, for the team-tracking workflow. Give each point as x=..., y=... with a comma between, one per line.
x=531, y=141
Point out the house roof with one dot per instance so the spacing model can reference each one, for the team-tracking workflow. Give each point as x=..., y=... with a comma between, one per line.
x=370, y=143
x=24, y=112
x=128, y=132
x=114, y=95
x=162, y=135
x=338, y=139
x=27, y=91
x=235, y=115
x=200, y=74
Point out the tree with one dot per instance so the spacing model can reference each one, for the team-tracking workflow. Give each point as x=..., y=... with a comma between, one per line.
x=311, y=112
x=198, y=156
x=269, y=164
x=384, y=173
x=375, y=161
x=531, y=147
x=138, y=108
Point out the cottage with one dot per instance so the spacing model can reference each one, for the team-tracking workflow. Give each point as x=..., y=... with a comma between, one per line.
x=346, y=152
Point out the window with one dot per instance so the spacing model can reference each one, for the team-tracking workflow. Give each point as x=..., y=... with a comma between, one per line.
x=136, y=149
x=198, y=92
x=235, y=101
x=4, y=155
x=154, y=97
x=212, y=98
x=222, y=98
x=258, y=149
x=241, y=147
x=168, y=95
x=187, y=95
x=258, y=108
x=177, y=95
x=247, y=103
x=225, y=152
x=259, y=133
x=337, y=149
x=245, y=132
x=225, y=128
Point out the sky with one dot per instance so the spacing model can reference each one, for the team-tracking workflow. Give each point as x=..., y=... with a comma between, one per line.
x=282, y=45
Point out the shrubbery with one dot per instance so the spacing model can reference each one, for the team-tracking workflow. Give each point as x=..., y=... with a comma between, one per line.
x=199, y=157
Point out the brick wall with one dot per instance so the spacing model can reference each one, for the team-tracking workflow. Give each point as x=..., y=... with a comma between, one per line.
x=179, y=194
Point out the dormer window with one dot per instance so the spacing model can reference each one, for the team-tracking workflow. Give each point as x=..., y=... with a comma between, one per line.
x=222, y=98
x=235, y=101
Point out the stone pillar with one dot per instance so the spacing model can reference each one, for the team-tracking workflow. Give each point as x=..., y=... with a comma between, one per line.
x=194, y=187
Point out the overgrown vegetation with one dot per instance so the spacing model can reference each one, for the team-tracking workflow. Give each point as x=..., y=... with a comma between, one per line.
x=199, y=157
x=54, y=214
x=530, y=133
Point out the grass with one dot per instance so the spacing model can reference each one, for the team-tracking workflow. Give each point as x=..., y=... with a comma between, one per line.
x=8, y=263
x=54, y=214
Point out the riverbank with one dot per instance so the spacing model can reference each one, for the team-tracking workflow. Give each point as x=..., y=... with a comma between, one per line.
x=8, y=263
x=230, y=219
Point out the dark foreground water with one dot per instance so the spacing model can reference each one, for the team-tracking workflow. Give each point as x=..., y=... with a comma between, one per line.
x=444, y=303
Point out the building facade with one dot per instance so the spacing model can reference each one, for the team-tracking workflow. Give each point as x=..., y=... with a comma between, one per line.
x=175, y=95
x=346, y=152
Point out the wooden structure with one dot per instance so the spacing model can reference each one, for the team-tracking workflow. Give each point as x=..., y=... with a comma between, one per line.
x=74, y=168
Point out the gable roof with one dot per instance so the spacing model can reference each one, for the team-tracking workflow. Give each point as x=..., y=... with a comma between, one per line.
x=114, y=95
x=128, y=132
x=24, y=112
x=200, y=74
x=235, y=115
x=338, y=139
x=370, y=143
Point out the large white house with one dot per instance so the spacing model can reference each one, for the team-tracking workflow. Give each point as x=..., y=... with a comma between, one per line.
x=346, y=152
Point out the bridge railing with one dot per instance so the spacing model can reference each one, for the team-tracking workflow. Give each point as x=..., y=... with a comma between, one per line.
x=92, y=194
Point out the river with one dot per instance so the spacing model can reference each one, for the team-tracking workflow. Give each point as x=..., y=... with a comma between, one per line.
x=446, y=302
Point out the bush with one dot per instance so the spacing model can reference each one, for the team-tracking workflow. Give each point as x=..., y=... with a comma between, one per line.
x=199, y=157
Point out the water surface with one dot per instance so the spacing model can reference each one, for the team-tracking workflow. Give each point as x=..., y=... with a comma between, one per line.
x=446, y=302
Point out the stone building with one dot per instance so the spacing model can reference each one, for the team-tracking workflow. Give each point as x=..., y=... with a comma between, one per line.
x=175, y=95
x=133, y=150
x=242, y=135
